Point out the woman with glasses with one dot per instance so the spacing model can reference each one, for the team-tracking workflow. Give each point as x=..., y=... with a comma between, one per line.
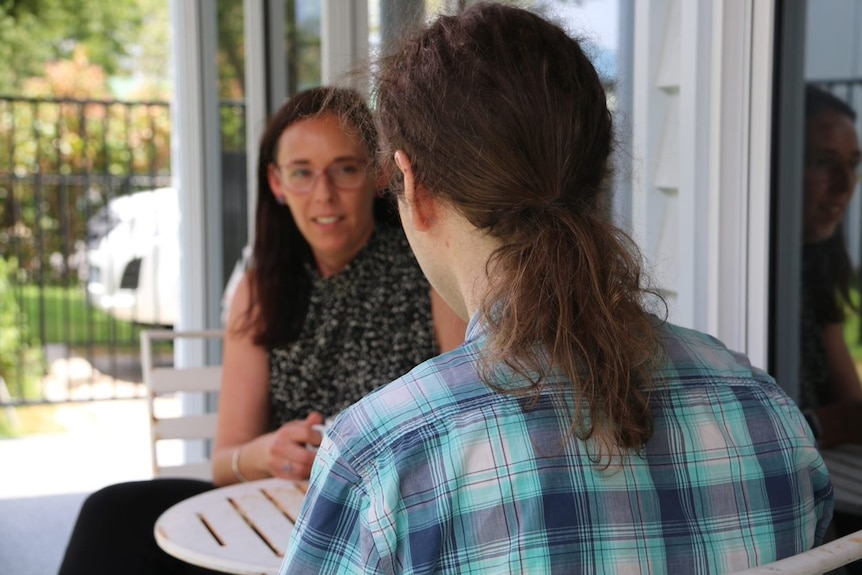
x=828, y=375
x=830, y=393
x=332, y=306
x=334, y=302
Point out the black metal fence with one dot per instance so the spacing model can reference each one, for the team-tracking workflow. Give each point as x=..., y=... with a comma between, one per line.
x=88, y=242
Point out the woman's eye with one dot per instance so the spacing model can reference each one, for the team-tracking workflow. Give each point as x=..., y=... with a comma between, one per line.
x=299, y=173
x=347, y=169
x=821, y=162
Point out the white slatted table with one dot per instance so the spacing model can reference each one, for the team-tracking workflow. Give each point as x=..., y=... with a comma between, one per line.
x=845, y=469
x=242, y=528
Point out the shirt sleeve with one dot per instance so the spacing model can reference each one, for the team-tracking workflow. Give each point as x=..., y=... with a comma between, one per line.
x=332, y=534
x=809, y=458
x=823, y=502
x=821, y=486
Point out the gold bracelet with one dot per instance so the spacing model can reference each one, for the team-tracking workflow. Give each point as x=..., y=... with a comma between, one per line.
x=234, y=465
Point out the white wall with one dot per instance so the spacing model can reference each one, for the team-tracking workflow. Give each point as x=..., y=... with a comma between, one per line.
x=700, y=185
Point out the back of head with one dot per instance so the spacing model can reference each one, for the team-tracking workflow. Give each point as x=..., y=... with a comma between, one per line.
x=504, y=117
x=497, y=99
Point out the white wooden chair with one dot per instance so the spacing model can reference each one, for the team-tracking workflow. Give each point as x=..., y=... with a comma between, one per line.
x=826, y=557
x=167, y=381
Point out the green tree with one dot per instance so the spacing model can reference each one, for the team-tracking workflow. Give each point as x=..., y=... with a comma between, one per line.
x=231, y=49
x=20, y=362
x=38, y=31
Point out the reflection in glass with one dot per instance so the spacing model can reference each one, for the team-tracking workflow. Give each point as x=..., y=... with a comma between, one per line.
x=830, y=235
x=831, y=166
x=302, y=54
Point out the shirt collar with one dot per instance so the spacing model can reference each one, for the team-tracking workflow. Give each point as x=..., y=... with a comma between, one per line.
x=475, y=328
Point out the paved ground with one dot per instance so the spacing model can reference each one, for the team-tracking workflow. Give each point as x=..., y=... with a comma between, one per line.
x=78, y=448
x=44, y=479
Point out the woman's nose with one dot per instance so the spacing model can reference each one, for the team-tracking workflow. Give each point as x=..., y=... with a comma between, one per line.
x=322, y=189
x=843, y=179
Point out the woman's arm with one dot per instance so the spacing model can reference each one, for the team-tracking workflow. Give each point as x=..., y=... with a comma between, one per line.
x=838, y=422
x=448, y=327
x=843, y=377
x=242, y=441
x=243, y=407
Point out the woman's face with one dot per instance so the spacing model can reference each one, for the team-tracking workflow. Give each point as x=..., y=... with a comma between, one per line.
x=832, y=158
x=336, y=222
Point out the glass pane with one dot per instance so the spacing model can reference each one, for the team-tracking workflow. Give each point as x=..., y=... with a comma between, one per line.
x=595, y=22
x=830, y=341
x=231, y=88
x=302, y=44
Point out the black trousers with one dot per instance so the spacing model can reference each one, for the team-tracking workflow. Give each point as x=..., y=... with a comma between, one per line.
x=114, y=530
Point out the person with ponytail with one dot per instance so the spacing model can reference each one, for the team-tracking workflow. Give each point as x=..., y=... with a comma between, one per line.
x=574, y=431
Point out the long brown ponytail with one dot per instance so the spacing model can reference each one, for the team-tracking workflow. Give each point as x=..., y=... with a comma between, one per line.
x=504, y=117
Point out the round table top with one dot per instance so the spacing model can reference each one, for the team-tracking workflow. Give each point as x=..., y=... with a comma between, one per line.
x=242, y=528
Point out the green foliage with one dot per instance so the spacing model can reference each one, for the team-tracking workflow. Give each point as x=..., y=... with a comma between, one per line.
x=6, y=427
x=20, y=360
x=231, y=49
x=71, y=137
x=62, y=160
x=38, y=31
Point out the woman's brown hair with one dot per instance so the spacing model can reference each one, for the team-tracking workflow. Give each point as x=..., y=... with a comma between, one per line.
x=504, y=117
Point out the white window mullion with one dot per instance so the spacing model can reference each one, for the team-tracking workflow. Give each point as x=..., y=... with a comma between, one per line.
x=344, y=39
x=696, y=223
x=759, y=182
x=196, y=161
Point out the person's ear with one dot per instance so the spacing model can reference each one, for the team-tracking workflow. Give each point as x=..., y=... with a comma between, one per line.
x=275, y=184
x=416, y=203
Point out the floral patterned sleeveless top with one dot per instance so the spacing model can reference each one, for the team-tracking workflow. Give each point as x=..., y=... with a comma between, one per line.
x=366, y=326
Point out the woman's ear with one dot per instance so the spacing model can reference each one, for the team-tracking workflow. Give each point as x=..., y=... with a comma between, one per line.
x=275, y=184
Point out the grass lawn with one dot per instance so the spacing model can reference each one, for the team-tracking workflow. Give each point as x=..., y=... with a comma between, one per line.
x=59, y=315
x=68, y=318
x=29, y=420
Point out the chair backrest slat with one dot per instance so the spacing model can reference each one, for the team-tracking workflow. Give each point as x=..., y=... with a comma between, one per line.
x=185, y=427
x=190, y=379
x=169, y=381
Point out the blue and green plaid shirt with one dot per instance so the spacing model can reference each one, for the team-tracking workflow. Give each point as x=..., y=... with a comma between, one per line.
x=436, y=473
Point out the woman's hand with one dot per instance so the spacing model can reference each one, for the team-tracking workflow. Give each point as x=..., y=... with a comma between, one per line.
x=289, y=453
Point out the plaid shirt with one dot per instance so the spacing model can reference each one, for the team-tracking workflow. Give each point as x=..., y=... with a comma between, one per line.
x=436, y=473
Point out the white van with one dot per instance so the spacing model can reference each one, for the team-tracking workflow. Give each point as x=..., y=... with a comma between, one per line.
x=133, y=264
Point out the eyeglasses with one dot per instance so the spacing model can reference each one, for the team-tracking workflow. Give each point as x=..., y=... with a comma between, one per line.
x=824, y=167
x=342, y=174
